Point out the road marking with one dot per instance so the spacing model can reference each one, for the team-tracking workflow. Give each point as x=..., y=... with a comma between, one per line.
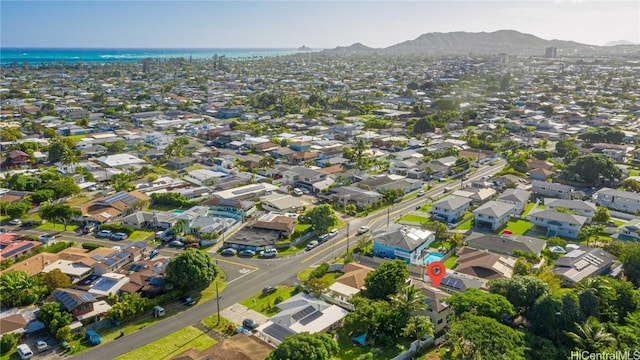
x=245, y=271
x=238, y=278
x=237, y=263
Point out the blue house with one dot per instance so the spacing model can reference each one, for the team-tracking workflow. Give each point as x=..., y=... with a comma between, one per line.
x=403, y=242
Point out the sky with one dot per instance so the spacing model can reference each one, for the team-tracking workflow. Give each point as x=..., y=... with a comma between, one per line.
x=291, y=24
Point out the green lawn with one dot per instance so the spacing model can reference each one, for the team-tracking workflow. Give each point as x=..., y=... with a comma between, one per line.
x=451, y=262
x=139, y=235
x=210, y=292
x=348, y=351
x=634, y=173
x=530, y=207
x=619, y=222
x=414, y=218
x=519, y=227
x=265, y=304
x=171, y=345
x=465, y=225
x=425, y=208
x=57, y=227
x=224, y=326
x=304, y=274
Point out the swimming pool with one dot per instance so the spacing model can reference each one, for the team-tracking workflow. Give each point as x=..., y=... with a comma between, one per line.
x=177, y=212
x=432, y=257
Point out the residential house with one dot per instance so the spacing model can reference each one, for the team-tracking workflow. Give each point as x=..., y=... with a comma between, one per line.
x=508, y=181
x=283, y=224
x=350, y=283
x=76, y=270
x=237, y=209
x=300, y=313
x=16, y=158
x=281, y=202
x=450, y=209
x=247, y=192
x=203, y=176
x=81, y=304
x=362, y=199
x=144, y=220
x=582, y=208
x=390, y=182
x=402, y=242
x=298, y=158
x=180, y=162
x=438, y=311
x=484, y=264
x=557, y=223
x=505, y=244
x=517, y=197
x=313, y=180
x=581, y=263
x=13, y=323
x=554, y=190
x=146, y=277
x=13, y=196
x=102, y=285
x=540, y=174
x=613, y=199
x=111, y=263
x=12, y=250
x=476, y=195
x=124, y=160
x=493, y=215
x=112, y=207
x=630, y=231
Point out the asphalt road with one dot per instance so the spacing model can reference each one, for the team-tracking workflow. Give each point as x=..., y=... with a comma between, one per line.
x=269, y=272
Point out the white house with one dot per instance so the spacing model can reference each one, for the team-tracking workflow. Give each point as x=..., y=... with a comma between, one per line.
x=582, y=208
x=617, y=200
x=558, y=223
x=516, y=197
x=450, y=209
x=493, y=215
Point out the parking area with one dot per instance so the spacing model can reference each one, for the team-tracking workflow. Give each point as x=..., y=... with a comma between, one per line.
x=54, y=351
x=236, y=313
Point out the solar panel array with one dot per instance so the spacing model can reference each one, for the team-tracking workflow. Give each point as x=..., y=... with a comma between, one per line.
x=277, y=331
x=453, y=283
x=135, y=267
x=18, y=250
x=121, y=196
x=310, y=318
x=247, y=189
x=155, y=281
x=227, y=202
x=304, y=312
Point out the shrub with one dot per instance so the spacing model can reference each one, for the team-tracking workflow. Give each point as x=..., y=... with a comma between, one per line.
x=278, y=300
x=319, y=271
x=91, y=246
x=9, y=341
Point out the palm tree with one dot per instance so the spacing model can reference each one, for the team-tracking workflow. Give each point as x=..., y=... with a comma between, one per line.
x=420, y=326
x=409, y=300
x=591, y=337
x=69, y=157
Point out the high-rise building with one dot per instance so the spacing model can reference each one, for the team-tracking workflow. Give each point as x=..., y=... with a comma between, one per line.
x=550, y=52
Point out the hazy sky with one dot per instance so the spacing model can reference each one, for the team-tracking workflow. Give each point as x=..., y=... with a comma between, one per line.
x=317, y=24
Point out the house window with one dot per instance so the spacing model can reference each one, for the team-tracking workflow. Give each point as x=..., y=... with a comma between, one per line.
x=440, y=321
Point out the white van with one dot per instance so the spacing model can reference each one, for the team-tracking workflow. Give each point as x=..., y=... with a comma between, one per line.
x=446, y=189
x=297, y=192
x=25, y=351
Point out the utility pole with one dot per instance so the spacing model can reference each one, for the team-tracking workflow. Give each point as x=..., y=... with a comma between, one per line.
x=388, y=214
x=348, y=238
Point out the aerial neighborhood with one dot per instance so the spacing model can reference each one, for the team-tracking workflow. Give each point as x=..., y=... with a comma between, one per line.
x=313, y=191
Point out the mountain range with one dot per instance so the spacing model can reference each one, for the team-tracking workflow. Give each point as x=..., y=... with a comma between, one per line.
x=484, y=43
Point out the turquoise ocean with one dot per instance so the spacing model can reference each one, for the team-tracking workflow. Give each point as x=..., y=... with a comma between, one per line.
x=38, y=56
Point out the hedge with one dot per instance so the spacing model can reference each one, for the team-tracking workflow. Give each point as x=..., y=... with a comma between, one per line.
x=91, y=246
x=118, y=228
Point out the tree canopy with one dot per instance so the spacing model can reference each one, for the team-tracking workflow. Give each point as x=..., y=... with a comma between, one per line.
x=319, y=346
x=590, y=167
x=387, y=279
x=481, y=303
x=521, y=291
x=61, y=213
x=322, y=217
x=192, y=269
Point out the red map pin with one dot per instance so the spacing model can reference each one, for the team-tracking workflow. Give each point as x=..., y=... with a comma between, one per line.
x=436, y=271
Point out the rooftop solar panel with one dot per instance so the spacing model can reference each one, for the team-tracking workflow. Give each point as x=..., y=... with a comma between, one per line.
x=302, y=313
x=313, y=316
x=87, y=298
x=135, y=267
x=277, y=331
x=246, y=190
x=66, y=299
x=18, y=250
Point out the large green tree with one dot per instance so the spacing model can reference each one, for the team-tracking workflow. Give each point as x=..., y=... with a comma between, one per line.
x=521, y=291
x=631, y=262
x=482, y=304
x=387, y=279
x=590, y=167
x=319, y=346
x=60, y=213
x=17, y=288
x=591, y=337
x=54, y=317
x=322, y=218
x=55, y=279
x=192, y=269
x=479, y=337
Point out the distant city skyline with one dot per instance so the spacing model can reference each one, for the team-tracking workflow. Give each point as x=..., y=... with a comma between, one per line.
x=289, y=24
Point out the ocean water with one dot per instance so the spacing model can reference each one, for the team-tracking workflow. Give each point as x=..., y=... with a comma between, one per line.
x=37, y=56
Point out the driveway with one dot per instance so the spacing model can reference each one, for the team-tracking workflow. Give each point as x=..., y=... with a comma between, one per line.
x=236, y=313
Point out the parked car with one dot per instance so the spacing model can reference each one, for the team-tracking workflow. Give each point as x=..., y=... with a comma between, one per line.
x=188, y=300
x=31, y=223
x=297, y=192
x=15, y=222
x=247, y=253
x=153, y=254
x=420, y=193
x=268, y=253
x=42, y=345
x=24, y=351
x=194, y=245
x=104, y=234
x=362, y=230
x=249, y=324
x=176, y=243
x=311, y=245
x=446, y=189
x=268, y=290
x=46, y=237
x=333, y=232
x=229, y=252
x=118, y=236
x=93, y=337
x=323, y=237
x=89, y=228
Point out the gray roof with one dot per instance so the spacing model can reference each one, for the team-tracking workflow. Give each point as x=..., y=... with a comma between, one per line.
x=305, y=172
x=558, y=216
x=570, y=204
x=505, y=244
x=494, y=208
x=619, y=193
x=451, y=202
x=551, y=186
x=398, y=236
x=583, y=262
x=515, y=195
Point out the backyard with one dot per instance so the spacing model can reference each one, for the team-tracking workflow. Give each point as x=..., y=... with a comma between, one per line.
x=519, y=227
x=349, y=350
x=413, y=218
